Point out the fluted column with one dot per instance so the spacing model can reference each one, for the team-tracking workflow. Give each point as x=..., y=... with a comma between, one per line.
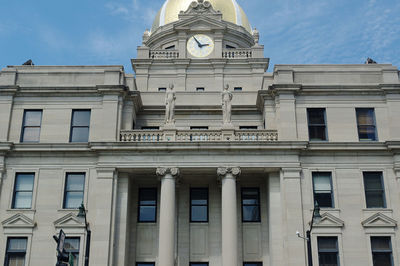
x=166, y=243
x=229, y=215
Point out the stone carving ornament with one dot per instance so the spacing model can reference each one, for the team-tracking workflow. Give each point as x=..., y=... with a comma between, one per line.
x=170, y=98
x=162, y=171
x=226, y=105
x=223, y=171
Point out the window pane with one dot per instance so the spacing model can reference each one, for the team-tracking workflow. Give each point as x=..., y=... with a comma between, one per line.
x=16, y=260
x=147, y=214
x=81, y=118
x=198, y=264
x=382, y=259
x=73, y=200
x=199, y=196
x=31, y=134
x=24, y=182
x=23, y=200
x=71, y=244
x=251, y=214
x=381, y=243
x=145, y=264
x=366, y=132
x=147, y=196
x=17, y=244
x=252, y=264
x=80, y=134
x=324, y=200
x=365, y=116
x=373, y=180
x=199, y=214
x=328, y=259
x=75, y=182
x=33, y=118
x=327, y=243
x=316, y=116
x=322, y=181
x=375, y=200
x=317, y=132
x=250, y=196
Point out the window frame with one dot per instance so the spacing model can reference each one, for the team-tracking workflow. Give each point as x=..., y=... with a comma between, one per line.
x=78, y=251
x=7, y=255
x=258, y=205
x=325, y=125
x=366, y=125
x=196, y=263
x=391, y=247
x=162, y=89
x=66, y=185
x=238, y=89
x=337, y=250
x=72, y=126
x=145, y=263
x=24, y=126
x=383, y=190
x=155, y=205
x=15, y=190
x=313, y=173
x=207, y=205
x=258, y=263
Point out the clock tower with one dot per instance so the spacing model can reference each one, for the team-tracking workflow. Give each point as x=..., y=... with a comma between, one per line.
x=200, y=44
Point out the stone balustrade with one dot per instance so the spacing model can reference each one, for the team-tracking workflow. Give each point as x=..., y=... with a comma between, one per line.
x=197, y=135
x=237, y=53
x=164, y=54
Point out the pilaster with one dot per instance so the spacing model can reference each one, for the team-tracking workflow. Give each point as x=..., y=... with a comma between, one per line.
x=6, y=105
x=292, y=216
x=167, y=224
x=229, y=230
x=286, y=113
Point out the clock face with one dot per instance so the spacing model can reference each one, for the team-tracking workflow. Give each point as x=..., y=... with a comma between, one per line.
x=200, y=45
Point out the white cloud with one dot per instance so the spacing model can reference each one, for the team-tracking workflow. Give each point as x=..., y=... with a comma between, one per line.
x=117, y=9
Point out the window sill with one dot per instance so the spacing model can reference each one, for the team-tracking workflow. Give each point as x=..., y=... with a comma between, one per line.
x=378, y=210
x=21, y=210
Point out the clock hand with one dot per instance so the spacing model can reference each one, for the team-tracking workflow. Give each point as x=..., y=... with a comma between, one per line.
x=206, y=44
x=198, y=43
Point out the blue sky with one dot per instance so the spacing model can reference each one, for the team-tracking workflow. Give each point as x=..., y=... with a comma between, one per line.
x=107, y=32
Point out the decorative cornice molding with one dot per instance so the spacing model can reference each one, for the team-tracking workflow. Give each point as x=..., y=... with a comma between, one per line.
x=163, y=172
x=329, y=220
x=18, y=220
x=226, y=172
x=69, y=221
x=379, y=220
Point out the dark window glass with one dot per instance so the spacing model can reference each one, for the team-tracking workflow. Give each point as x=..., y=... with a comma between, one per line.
x=200, y=89
x=23, y=191
x=328, y=252
x=251, y=205
x=323, y=192
x=237, y=89
x=16, y=251
x=150, y=128
x=230, y=46
x=374, y=190
x=170, y=47
x=316, y=124
x=199, y=204
x=381, y=251
x=366, y=124
x=80, y=126
x=199, y=128
x=74, y=190
x=248, y=127
x=252, y=263
x=147, y=205
x=31, y=126
x=199, y=264
x=162, y=89
x=145, y=264
x=71, y=245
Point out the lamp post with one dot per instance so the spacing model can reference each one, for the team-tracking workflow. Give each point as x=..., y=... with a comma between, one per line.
x=82, y=215
x=316, y=218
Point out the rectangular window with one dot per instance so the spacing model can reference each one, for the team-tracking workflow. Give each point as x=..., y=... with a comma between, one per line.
x=147, y=205
x=162, y=89
x=323, y=192
x=199, y=205
x=23, y=191
x=74, y=190
x=252, y=263
x=71, y=245
x=328, y=251
x=150, y=128
x=366, y=124
x=316, y=124
x=251, y=205
x=381, y=251
x=238, y=89
x=200, y=89
x=199, y=264
x=145, y=264
x=80, y=124
x=248, y=127
x=16, y=251
x=374, y=190
x=199, y=128
x=31, y=126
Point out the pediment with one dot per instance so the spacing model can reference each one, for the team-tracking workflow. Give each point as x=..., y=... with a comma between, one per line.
x=69, y=220
x=379, y=220
x=328, y=220
x=200, y=23
x=18, y=220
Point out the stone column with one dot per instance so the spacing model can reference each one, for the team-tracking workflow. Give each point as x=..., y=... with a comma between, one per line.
x=166, y=243
x=229, y=215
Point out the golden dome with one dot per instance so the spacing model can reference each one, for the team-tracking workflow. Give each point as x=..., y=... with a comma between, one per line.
x=230, y=9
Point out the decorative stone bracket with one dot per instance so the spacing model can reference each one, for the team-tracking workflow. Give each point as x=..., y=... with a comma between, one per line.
x=200, y=7
x=163, y=171
x=234, y=172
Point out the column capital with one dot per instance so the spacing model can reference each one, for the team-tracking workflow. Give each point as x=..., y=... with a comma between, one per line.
x=224, y=171
x=163, y=171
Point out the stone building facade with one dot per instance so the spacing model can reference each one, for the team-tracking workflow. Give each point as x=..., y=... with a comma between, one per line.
x=198, y=191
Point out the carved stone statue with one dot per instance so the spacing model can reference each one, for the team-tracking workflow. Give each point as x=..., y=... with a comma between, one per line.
x=170, y=105
x=226, y=105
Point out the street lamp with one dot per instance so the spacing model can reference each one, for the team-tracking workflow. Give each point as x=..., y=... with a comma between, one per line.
x=82, y=214
x=316, y=218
